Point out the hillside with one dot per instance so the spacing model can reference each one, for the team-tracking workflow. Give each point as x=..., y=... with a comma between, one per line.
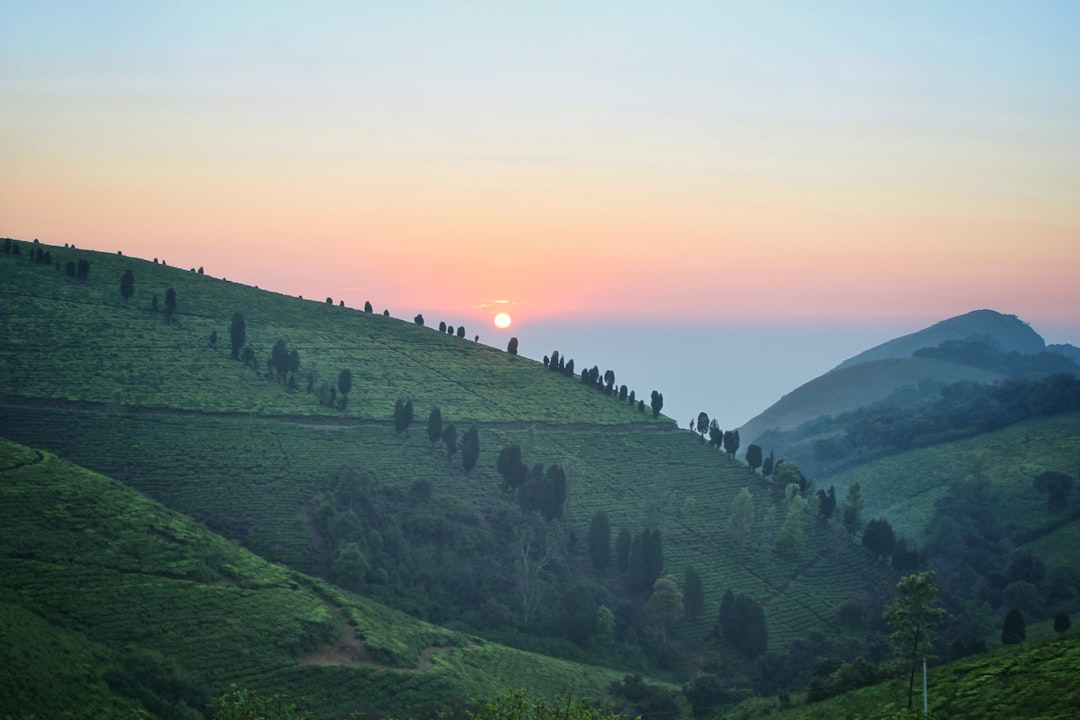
x=858, y=385
x=146, y=605
x=1030, y=680
x=905, y=487
x=343, y=494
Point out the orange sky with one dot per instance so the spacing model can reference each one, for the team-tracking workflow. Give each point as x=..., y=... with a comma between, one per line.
x=719, y=162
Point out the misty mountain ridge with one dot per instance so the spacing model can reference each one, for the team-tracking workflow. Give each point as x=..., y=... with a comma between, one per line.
x=981, y=348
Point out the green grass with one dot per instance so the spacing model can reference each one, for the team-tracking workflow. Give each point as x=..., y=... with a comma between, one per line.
x=91, y=568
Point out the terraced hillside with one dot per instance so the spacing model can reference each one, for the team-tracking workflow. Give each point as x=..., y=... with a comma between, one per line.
x=905, y=487
x=106, y=383
x=145, y=605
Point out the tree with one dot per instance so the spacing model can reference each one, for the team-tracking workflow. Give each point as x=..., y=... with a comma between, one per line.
x=237, y=334
x=434, y=426
x=367, y=307
x=913, y=616
x=83, y=271
x=461, y=331
x=702, y=424
x=279, y=359
x=665, y=605
x=741, y=621
x=742, y=514
x=537, y=546
x=1062, y=622
x=1014, y=630
x=510, y=466
x=442, y=326
x=294, y=365
x=419, y=319
x=470, y=448
x=693, y=593
x=403, y=416
x=344, y=384
x=600, y=541
x=879, y=538
x=826, y=503
x=754, y=457
x=716, y=435
x=127, y=285
x=731, y=442
x=609, y=381
x=512, y=346
x=170, y=304
x=449, y=436
x=656, y=402
x=853, y=505
x=769, y=465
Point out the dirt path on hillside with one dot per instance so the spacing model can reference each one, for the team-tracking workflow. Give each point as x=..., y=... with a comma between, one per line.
x=351, y=650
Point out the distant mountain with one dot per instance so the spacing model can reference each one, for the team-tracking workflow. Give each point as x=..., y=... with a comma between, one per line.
x=982, y=346
x=1006, y=333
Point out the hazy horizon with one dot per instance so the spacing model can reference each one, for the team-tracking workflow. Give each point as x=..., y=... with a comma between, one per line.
x=727, y=165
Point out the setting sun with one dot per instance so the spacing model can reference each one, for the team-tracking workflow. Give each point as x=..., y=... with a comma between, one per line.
x=502, y=321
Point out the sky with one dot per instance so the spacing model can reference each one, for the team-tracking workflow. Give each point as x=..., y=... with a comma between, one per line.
x=825, y=174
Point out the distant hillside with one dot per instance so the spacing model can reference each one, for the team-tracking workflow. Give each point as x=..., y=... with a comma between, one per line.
x=979, y=347
x=1007, y=333
x=148, y=609
x=854, y=386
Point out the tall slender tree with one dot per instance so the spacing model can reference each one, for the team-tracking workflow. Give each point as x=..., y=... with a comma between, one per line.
x=913, y=616
x=434, y=426
x=237, y=334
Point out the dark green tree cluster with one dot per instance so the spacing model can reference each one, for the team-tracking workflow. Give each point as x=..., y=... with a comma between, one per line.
x=558, y=363
x=544, y=493
x=645, y=561
x=741, y=622
x=170, y=305
x=960, y=410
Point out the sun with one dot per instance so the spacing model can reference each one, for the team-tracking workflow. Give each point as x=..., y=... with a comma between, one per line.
x=503, y=320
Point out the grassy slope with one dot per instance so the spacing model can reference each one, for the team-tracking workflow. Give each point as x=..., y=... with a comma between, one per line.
x=250, y=476
x=1030, y=680
x=90, y=567
x=903, y=487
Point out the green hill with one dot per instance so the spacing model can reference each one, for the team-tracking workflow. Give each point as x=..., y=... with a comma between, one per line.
x=336, y=493
x=905, y=487
x=1030, y=680
x=110, y=599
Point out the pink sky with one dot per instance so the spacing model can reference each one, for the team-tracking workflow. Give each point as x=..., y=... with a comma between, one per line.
x=726, y=163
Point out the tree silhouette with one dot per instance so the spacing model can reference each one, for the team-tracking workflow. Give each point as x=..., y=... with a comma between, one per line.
x=656, y=402
x=693, y=593
x=127, y=284
x=344, y=383
x=170, y=304
x=753, y=457
x=279, y=359
x=367, y=307
x=510, y=466
x=237, y=334
x=769, y=465
x=403, y=416
x=731, y=442
x=702, y=424
x=512, y=346
x=434, y=426
x=419, y=319
x=1014, y=630
x=600, y=541
x=716, y=435
x=470, y=448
